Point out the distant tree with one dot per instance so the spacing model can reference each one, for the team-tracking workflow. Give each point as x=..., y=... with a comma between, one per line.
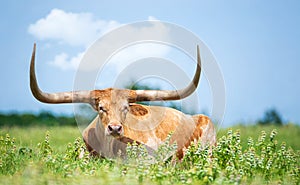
x=44, y=118
x=271, y=116
x=45, y=115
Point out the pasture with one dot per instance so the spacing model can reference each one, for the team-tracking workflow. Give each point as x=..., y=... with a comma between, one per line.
x=49, y=155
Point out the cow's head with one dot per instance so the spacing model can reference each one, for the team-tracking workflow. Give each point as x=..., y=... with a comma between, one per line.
x=111, y=104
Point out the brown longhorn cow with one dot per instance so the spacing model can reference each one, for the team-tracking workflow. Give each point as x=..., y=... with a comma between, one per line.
x=120, y=120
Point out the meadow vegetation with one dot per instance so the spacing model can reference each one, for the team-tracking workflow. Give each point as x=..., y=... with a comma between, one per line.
x=256, y=154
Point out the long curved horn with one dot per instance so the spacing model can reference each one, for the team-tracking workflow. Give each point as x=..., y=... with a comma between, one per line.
x=158, y=95
x=62, y=97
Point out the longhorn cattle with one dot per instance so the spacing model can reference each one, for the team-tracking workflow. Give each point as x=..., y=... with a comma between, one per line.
x=120, y=120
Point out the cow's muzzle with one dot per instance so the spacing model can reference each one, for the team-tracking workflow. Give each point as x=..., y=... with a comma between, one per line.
x=114, y=130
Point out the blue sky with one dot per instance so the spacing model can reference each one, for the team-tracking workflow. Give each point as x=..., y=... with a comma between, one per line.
x=256, y=44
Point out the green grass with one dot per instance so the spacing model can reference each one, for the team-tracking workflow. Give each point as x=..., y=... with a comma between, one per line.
x=290, y=133
x=31, y=136
x=40, y=157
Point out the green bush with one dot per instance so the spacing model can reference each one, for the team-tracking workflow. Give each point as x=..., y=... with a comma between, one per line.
x=271, y=116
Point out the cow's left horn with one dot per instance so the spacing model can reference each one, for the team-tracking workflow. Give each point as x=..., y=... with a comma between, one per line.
x=158, y=95
x=62, y=97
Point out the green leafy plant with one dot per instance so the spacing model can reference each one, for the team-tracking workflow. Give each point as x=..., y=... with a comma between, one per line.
x=262, y=160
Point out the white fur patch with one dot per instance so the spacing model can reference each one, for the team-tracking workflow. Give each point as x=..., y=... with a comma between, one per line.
x=153, y=142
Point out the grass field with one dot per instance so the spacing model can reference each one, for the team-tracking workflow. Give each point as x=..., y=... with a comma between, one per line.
x=61, y=136
x=287, y=133
x=33, y=158
x=31, y=136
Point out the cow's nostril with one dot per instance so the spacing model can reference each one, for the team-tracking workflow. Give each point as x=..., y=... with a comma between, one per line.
x=114, y=129
x=120, y=128
x=110, y=128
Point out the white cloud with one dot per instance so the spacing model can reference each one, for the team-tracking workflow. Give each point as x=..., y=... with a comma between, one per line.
x=152, y=18
x=75, y=29
x=82, y=29
x=134, y=41
x=65, y=62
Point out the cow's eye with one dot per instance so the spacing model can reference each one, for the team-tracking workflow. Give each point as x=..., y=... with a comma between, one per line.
x=125, y=108
x=102, y=109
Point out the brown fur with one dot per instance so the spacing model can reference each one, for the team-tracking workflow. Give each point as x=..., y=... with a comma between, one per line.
x=201, y=121
x=138, y=110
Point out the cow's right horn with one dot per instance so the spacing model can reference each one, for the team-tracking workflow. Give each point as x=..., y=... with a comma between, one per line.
x=159, y=95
